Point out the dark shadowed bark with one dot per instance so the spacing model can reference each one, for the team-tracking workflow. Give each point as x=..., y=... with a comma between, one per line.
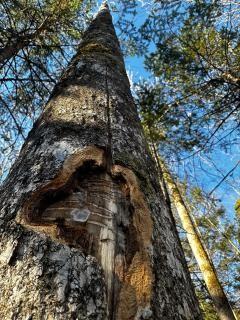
x=85, y=230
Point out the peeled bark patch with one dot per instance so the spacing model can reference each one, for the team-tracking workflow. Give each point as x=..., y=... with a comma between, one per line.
x=105, y=215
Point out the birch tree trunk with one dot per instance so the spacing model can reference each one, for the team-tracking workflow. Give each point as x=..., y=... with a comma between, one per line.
x=85, y=230
x=204, y=262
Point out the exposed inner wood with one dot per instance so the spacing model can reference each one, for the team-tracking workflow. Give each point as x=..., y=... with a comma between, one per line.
x=105, y=215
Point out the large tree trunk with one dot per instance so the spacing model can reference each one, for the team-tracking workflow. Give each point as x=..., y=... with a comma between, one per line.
x=204, y=262
x=85, y=231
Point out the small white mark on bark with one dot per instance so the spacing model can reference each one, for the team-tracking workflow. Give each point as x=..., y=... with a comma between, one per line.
x=80, y=215
x=144, y=314
x=61, y=149
x=80, y=64
x=98, y=67
x=91, y=307
x=112, y=206
x=61, y=281
x=6, y=256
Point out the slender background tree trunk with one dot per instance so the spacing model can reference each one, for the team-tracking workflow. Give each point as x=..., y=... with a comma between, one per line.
x=205, y=264
x=85, y=230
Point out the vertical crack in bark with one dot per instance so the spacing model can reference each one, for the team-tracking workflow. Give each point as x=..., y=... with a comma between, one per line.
x=109, y=131
x=112, y=294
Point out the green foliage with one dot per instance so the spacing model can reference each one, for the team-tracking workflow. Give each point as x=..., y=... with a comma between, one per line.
x=237, y=207
x=206, y=307
x=165, y=122
x=196, y=61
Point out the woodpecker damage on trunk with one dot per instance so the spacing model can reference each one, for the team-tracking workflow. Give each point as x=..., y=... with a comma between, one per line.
x=105, y=215
x=85, y=230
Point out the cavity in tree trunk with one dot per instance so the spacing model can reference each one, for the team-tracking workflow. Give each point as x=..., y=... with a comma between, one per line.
x=85, y=230
x=204, y=262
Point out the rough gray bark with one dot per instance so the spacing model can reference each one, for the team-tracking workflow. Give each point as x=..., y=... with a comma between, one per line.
x=85, y=230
